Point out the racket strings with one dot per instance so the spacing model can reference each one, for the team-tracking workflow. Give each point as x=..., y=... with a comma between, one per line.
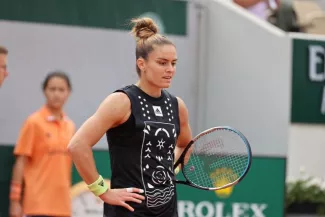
x=217, y=159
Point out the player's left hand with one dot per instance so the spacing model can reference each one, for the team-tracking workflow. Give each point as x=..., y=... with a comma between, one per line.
x=120, y=197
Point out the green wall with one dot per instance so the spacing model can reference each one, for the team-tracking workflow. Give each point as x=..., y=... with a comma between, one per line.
x=6, y=162
x=308, y=77
x=112, y=14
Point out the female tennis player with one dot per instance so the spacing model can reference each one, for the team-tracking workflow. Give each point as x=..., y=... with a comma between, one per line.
x=42, y=161
x=147, y=129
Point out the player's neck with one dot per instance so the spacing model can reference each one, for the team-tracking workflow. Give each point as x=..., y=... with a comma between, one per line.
x=149, y=89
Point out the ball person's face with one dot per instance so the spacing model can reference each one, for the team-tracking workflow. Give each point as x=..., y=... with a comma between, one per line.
x=3, y=68
x=160, y=66
x=57, y=92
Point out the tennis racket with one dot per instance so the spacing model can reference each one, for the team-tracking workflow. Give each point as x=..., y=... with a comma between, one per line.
x=215, y=159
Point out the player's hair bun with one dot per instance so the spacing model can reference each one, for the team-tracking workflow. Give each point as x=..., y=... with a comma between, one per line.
x=144, y=28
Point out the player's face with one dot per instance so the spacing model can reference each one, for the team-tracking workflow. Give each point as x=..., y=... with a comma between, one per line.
x=57, y=92
x=3, y=68
x=160, y=66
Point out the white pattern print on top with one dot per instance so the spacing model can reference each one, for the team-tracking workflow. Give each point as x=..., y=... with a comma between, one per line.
x=144, y=107
x=157, y=110
x=157, y=181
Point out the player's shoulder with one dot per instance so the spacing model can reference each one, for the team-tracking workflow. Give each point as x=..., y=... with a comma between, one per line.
x=117, y=100
x=182, y=108
x=120, y=98
x=124, y=94
x=127, y=89
x=115, y=106
x=180, y=102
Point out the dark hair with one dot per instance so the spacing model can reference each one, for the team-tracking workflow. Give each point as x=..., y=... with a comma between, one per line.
x=146, y=33
x=3, y=50
x=58, y=74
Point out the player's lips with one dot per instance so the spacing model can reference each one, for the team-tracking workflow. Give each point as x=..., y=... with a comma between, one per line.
x=167, y=77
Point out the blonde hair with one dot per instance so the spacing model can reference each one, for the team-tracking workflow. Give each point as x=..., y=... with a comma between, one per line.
x=146, y=33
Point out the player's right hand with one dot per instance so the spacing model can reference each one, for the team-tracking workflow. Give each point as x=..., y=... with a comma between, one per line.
x=15, y=209
x=121, y=196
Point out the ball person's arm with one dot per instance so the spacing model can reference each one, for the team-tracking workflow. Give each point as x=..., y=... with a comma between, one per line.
x=15, y=209
x=113, y=111
x=185, y=135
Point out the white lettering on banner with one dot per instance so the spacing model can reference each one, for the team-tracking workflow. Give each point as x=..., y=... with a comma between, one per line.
x=314, y=60
x=239, y=209
x=218, y=209
x=258, y=209
x=204, y=204
x=186, y=207
x=316, y=57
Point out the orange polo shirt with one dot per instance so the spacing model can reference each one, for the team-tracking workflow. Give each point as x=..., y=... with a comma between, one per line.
x=47, y=174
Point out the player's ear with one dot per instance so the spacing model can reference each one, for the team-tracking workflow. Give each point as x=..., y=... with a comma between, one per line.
x=141, y=63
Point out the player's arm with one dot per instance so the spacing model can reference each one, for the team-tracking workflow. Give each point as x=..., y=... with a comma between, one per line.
x=113, y=111
x=185, y=135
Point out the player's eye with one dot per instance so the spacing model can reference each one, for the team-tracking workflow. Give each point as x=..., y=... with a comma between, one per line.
x=162, y=63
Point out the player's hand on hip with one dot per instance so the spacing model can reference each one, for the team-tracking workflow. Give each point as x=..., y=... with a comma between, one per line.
x=121, y=196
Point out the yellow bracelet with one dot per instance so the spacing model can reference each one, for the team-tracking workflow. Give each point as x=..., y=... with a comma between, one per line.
x=98, y=187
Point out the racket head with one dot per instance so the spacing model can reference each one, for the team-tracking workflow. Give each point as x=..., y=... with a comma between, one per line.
x=220, y=157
